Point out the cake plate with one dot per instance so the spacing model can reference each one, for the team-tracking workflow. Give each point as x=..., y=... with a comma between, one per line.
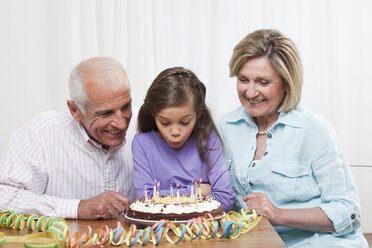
x=152, y=222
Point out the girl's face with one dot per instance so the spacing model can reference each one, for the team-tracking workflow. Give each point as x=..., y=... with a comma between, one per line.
x=260, y=89
x=175, y=124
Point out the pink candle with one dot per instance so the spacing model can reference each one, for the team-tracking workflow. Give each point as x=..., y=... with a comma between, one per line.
x=154, y=193
x=146, y=199
x=178, y=194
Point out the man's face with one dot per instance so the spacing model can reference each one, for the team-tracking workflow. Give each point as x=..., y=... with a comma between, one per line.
x=108, y=111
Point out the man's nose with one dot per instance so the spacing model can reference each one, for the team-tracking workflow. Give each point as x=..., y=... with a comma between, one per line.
x=120, y=122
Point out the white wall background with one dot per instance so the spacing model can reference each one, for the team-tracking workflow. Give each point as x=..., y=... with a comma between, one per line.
x=41, y=40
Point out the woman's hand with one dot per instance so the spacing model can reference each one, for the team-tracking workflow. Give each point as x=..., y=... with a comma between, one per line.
x=263, y=206
x=312, y=219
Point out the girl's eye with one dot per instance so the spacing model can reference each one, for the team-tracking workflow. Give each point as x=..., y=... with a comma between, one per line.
x=185, y=123
x=164, y=123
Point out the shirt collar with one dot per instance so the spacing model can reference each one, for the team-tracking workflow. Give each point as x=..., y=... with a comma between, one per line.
x=291, y=118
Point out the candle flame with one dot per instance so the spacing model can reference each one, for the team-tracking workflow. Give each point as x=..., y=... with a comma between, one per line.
x=158, y=183
x=200, y=180
x=155, y=181
x=177, y=185
x=196, y=183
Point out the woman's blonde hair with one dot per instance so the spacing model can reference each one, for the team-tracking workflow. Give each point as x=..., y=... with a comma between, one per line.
x=283, y=55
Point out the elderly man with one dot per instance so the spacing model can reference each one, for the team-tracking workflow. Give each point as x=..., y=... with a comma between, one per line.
x=77, y=164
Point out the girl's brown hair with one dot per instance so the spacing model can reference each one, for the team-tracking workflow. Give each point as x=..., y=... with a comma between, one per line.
x=175, y=87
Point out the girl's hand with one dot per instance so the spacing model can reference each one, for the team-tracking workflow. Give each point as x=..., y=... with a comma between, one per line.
x=263, y=206
x=205, y=189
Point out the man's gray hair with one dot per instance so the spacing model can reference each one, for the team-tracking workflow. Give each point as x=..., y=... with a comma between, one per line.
x=106, y=72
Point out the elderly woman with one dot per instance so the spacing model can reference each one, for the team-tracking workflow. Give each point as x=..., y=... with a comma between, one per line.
x=285, y=161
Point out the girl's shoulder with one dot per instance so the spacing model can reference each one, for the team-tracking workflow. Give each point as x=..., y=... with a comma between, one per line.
x=147, y=137
x=214, y=139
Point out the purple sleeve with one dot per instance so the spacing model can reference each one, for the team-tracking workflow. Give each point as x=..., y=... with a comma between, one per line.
x=183, y=191
x=219, y=175
x=142, y=175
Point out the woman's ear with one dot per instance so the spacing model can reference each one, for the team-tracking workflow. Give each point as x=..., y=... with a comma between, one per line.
x=74, y=110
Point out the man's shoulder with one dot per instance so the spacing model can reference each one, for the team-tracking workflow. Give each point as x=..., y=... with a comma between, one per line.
x=49, y=119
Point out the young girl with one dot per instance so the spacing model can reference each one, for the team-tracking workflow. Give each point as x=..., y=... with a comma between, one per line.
x=178, y=141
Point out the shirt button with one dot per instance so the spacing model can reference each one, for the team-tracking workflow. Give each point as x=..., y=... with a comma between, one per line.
x=352, y=216
x=265, y=153
x=269, y=136
x=253, y=164
x=250, y=183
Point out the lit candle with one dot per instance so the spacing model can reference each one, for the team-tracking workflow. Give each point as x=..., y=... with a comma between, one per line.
x=171, y=188
x=196, y=191
x=154, y=193
x=178, y=194
x=146, y=199
x=192, y=189
x=200, y=195
x=157, y=192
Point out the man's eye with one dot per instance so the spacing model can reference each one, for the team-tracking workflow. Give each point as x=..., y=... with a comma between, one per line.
x=105, y=114
x=243, y=79
x=125, y=108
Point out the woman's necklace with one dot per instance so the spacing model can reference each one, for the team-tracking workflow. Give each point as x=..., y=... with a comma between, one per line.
x=265, y=131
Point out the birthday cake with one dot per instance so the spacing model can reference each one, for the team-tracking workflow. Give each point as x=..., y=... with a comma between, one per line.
x=167, y=207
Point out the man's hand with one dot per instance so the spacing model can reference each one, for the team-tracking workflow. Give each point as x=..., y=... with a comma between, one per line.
x=108, y=205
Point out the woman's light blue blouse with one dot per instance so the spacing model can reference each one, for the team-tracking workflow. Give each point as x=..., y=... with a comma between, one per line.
x=303, y=167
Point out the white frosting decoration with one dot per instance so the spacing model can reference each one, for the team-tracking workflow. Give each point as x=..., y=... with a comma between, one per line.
x=208, y=204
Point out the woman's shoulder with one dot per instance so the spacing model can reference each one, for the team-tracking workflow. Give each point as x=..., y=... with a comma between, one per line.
x=311, y=118
x=237, y=114
x=307, y=120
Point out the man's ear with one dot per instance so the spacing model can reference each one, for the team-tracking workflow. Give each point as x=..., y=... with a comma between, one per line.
x=74, y=110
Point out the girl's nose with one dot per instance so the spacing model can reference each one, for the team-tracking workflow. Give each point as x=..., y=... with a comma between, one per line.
x=175, y=131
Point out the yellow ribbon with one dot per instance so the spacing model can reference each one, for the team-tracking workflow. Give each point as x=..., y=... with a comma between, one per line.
x=54, y=231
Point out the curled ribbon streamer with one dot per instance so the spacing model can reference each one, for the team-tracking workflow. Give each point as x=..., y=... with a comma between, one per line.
x=55, y=231
x=2, y=238
x=37, y=240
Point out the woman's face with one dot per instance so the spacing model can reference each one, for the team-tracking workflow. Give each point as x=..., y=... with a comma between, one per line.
x=260, y=89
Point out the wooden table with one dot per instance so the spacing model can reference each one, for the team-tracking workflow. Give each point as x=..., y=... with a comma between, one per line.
x=262, y=236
